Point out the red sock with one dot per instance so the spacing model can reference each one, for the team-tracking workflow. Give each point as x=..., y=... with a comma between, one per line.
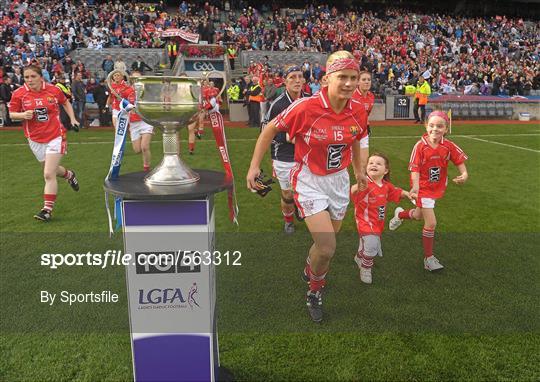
x=146, y=167
x=407, y=214
x=288, y=216
x=68, y=174
x=428, y=236
x=316, y=282
x=48, y=201
x=191, y=146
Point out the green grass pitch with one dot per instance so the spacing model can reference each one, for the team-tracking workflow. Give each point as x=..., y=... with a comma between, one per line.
x=477, y=320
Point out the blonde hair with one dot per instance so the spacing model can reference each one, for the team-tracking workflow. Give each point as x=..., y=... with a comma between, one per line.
x=337, y=55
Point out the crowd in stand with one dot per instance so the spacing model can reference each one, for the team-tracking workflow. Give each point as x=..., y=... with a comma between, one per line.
x=472, y=55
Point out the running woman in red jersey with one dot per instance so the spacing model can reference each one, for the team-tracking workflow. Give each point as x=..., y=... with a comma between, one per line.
x=370, y=211
x=37, y=104
x=330, y=133
x=363, y=94
x=429, y=178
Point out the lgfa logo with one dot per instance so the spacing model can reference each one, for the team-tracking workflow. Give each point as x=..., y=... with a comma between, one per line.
x=161, y=296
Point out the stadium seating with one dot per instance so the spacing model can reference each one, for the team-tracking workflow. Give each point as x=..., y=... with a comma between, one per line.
x=465, y=110
x=500, y=109
x=508, y=109
x=92, y=59
x=282, y=58
x=491, y=109
x=483, y=109
x=475, y=110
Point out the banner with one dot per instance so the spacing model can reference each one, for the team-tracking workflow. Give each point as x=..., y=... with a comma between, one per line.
x=182, y=33
x=218, y=129
x=121, y=128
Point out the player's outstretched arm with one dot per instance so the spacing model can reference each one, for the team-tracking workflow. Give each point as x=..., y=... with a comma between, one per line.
x=462, y=178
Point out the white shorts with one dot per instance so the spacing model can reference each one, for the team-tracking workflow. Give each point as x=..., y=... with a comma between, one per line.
x=57, y=146
x=316, y=193
x=282, y=171
x=370, y=245
x=425, y=203
x=138, y=128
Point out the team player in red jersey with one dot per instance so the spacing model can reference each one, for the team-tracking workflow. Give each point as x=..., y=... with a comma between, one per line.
x=140, y=132
x=363, y=94
x=117, y=88
x=370, y=211
x=429, y=178
x=210, y=100
x=37, y=104
x=330, y=133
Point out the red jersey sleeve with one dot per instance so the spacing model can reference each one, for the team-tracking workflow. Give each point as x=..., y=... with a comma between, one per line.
x=457, y=156
x=15, y=105
x=394, y=193
x=416, y=158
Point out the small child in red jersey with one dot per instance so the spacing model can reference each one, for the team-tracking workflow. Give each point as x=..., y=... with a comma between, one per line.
x=370, y=209
x=429, y=178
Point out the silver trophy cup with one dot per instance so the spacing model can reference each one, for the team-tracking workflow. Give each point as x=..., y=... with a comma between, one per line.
x=167, y=103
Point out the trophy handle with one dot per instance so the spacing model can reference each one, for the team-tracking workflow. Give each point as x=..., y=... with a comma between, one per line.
x=206, y=76
x=109, y=81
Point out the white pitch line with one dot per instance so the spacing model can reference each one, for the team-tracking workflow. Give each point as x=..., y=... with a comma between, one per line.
x=254, y=139
x=502, y=144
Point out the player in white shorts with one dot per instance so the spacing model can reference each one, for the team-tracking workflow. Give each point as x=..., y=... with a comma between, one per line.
x=282, y=149
x=330, y=133
x=37, y=104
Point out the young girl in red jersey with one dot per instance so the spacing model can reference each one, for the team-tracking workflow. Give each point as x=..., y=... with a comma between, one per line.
x=330, y=134
x=370, y=211
x=429, y=178
x=37, y=104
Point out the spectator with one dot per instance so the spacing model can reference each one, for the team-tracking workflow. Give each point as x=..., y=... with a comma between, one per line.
x=5, y=97
x=101, y=95
x=254, y=97
x=79, y=98
x=139, y=65
x=107, y=65
x=120, y=65
x=269, y=94
x=314, y=85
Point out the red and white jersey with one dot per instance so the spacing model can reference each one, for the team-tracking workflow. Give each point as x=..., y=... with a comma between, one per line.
x=45, y=125
x=370, y=206
x=209, y=92
x=368, y=100
x=119, y=88
x=323, y=139
x=432, y=164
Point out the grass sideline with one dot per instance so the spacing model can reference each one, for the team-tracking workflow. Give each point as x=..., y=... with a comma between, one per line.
x=476, y=321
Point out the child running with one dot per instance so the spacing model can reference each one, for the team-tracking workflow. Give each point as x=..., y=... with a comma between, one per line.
x=429, y=178
x=370, y=209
